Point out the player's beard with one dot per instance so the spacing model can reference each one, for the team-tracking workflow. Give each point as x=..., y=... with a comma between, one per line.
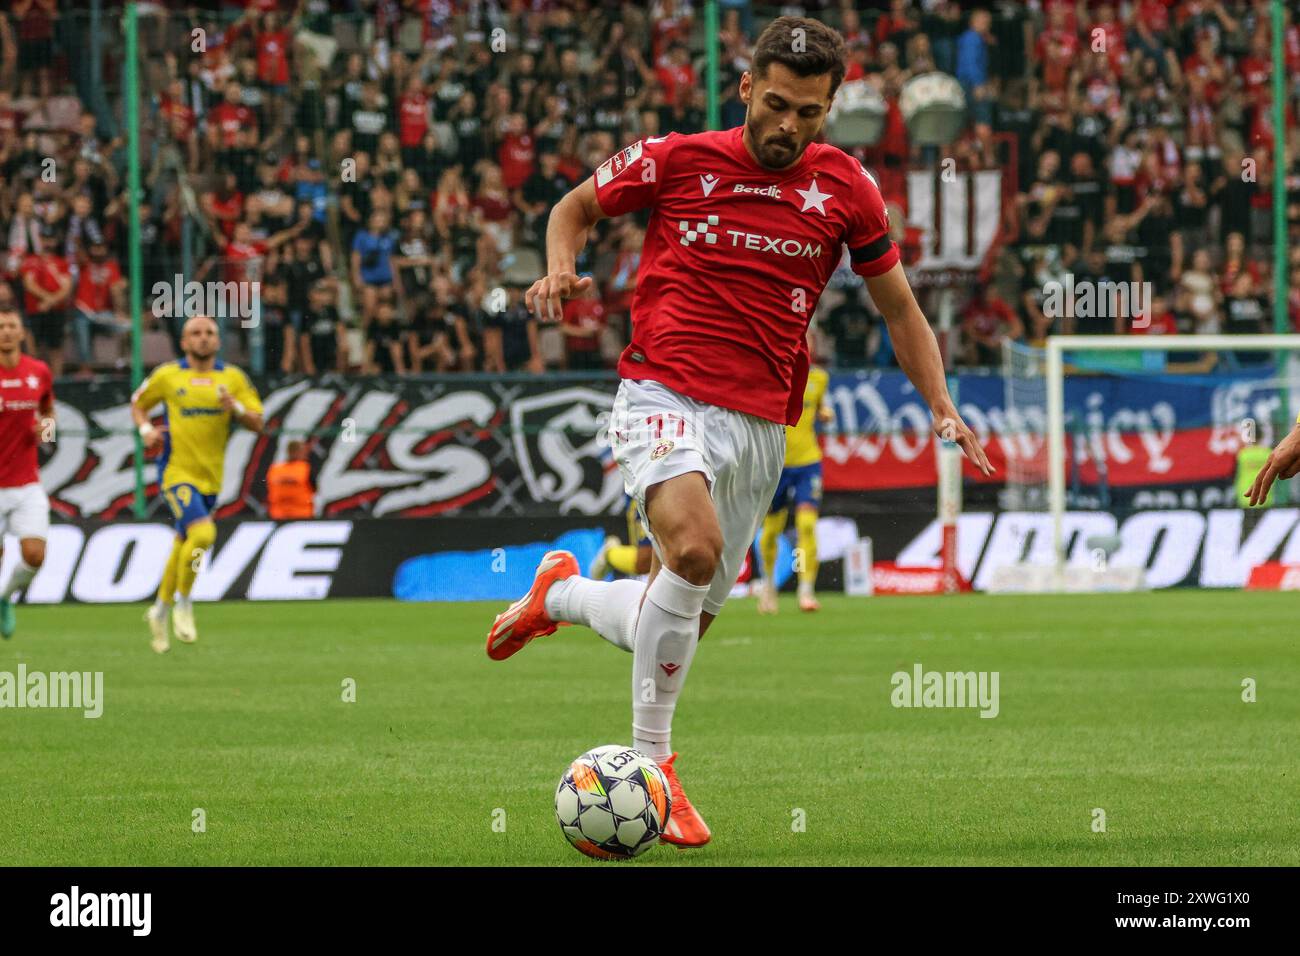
x=775, y=151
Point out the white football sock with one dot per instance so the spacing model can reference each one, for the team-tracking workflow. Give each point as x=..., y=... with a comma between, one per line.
x=607, y=607
x=19, y=578
x=667, y=633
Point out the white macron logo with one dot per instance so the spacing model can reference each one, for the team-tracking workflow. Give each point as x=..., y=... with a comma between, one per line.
x=691, y=233
x=707, y=182
x=133, y=910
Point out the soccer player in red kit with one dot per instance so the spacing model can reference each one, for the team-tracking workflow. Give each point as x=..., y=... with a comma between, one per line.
x=746, y=227
x=26, y=419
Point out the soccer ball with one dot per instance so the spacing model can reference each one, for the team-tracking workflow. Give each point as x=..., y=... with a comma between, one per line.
x=613, y=803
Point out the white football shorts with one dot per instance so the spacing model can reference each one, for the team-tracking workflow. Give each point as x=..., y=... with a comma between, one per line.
x=25, y=511
x=656, y=433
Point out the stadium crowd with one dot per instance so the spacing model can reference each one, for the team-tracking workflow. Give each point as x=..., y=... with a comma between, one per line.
x=384, y=168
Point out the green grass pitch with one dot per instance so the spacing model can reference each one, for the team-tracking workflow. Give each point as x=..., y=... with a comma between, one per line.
x=1128, y=703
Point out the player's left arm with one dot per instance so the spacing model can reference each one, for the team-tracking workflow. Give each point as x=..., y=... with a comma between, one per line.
x=243, y=403
x=918, y=355
x=1283, y=462
x=875, y=257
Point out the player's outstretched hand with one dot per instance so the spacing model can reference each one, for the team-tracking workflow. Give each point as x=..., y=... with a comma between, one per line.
x=152, y=437
x=951, y=428
x=1283, y=462
x=545, y=297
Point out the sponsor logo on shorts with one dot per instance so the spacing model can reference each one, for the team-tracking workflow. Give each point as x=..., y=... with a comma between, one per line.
x=661, y=448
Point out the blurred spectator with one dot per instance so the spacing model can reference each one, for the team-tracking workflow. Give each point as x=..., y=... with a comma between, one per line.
x=385, y=340
x=372, y=270
x=289, y=492
x=583, y=324
x=986, y=322
x=100, y=303
x=47, y=284
x=510, y=336
x=322, y=346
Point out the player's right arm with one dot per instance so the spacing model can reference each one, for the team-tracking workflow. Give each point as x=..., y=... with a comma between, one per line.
x=566, y=233
x=627, y=181
x=145, y=398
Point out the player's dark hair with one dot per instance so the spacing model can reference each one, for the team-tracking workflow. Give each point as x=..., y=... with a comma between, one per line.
x=805, y=46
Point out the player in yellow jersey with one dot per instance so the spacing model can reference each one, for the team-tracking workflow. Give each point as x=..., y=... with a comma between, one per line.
x=202, y=399
x=630, y=560
x=800, y=486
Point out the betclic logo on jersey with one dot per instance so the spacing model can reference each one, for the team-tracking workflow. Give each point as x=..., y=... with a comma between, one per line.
x=621, y=161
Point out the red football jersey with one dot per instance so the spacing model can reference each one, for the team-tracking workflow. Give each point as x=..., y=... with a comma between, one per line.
x=734, y=260
x=24, y=390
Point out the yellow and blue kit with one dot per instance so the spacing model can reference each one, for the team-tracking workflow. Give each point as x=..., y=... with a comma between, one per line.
x=801, y=478
x=197, y=428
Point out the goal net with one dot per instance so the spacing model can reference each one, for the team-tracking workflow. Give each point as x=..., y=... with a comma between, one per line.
x=1068, y=454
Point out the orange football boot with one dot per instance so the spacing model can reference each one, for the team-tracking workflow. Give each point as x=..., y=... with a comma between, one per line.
x=527, y=619
x=686, y=828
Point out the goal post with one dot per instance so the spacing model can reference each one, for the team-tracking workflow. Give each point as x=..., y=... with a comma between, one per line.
x=1054, y=374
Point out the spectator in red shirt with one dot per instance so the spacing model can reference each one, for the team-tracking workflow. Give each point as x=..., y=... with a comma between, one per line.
x=582, y=325
x=47, y=287
x=412, y=120
x=1256, y=69
x=516, y=153
x=224, y=206
x=675, y=73
x=1160, y=322
x=99, y=301
x=1056, y=49
x=228, y=118
x=897, y=26
x=986, y=322
x=273, y=45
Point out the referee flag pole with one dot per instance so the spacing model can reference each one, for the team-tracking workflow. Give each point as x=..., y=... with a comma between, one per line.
x=132, y=85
